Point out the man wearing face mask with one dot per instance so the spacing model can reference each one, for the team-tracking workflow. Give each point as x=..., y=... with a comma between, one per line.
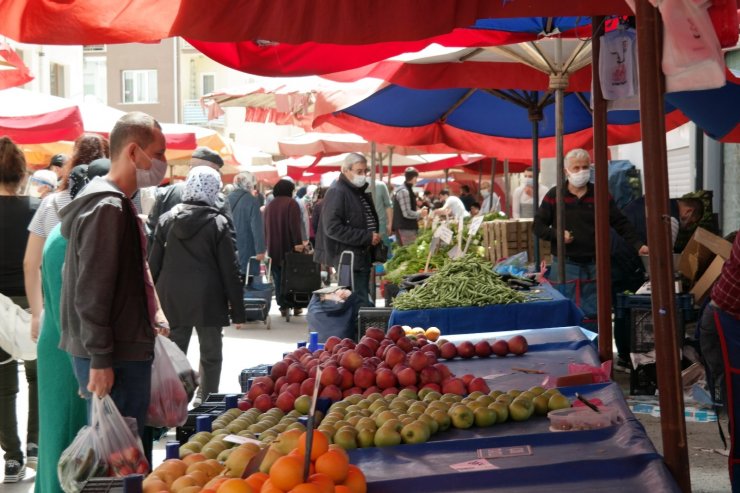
x=109, y=313
x=522, y=206
x=491, y=201
x=580, y=231
x=349, y=222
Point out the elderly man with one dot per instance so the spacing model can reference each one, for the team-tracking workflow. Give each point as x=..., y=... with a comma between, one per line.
x=349, y=222
x=169, y=197
x=405, y=214
x=245, y=212
x=580, y=231
x=491, y=201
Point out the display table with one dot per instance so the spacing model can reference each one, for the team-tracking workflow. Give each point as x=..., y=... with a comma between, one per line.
x=552, y=310
x=614, y=459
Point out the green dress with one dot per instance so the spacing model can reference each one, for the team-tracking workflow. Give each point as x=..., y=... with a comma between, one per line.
x=62, y=412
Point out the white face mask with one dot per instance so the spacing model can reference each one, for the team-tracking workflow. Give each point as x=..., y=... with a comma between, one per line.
x=580, y=178
x=359, y=181
x=154, y=175
x=485, y=193
x=528, y=182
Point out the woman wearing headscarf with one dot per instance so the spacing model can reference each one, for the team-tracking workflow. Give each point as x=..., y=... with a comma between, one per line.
x=62, y=412
x=282, y=232
x=196, y=272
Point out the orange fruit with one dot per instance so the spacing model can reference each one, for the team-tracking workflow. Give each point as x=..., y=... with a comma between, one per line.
x=234, y=485
x=287, y=472
x=340, y=488
x=269, y=487
x=192, y=459
x=324, y=482
x=183, y=482
x=153, y=484
x=214, y=483
x=306, y=488
x=256, y=480
x=208, y=490
x=319, y=444
x=356, y=481
x=176, y=465
x=334, y=464
x=200, y=477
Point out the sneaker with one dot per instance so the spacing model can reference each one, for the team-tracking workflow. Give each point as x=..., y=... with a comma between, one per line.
x=14, y=471
x=32, y=456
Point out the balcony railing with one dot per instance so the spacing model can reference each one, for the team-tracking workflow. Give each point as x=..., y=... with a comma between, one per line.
x=194, y=114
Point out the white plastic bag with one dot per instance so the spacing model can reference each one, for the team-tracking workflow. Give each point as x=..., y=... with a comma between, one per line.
x=188, y=376
x=15, y=331
x=168, y=405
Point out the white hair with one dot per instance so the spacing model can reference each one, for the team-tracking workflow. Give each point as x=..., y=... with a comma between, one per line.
x=244, y=180
x=351, y=159
x=577, y=155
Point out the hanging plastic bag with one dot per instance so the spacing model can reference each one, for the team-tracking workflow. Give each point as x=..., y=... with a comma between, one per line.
x=168, y=405
x=82, y=460
x=189, y=377
x=122, y=446
x=516, y=265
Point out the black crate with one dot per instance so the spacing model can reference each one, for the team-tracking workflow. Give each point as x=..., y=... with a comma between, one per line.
x=636, y=310
x=372, y=317
x=212, y=409
x=256, y=371
x=643, y=380
x=103, y=485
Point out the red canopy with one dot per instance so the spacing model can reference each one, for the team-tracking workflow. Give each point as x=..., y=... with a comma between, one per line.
x=13, y=72
x=87, y=22
x=64, y=124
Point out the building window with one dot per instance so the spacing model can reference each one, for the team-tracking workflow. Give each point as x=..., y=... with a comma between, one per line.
x=140, y=86
x=95, y=80
x=93, y=48
x=207, y=83
x=56, y=79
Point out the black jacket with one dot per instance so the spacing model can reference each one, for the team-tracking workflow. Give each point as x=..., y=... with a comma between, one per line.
x=104, y=311
x=195, y=268
x=343, y=226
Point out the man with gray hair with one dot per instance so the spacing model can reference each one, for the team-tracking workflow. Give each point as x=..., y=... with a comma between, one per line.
x=349, y=222
x=580, y=232
x=245, y=212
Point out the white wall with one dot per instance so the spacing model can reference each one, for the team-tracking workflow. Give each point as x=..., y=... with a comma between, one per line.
x=38, y=59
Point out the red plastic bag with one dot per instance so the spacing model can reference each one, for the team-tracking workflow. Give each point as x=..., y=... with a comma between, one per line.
x=168, y=405
x=724, y=16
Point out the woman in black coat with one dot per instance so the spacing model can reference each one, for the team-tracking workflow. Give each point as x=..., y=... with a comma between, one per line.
x=196, y=271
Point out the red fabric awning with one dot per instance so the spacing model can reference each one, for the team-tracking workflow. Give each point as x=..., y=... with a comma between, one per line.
x=13, y=72
x=290, y=21
x=63, y=124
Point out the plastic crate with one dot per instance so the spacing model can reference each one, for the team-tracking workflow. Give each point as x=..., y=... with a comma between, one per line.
x=248, y=373
x=636, y=310
x=103, y=485
x=372, y=317
x=643, y=380
x=212, y=409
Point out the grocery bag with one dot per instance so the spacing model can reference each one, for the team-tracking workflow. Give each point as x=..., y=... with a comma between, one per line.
x=189, y=377
x=82, y=460
x=168, y=404
x=121, y=445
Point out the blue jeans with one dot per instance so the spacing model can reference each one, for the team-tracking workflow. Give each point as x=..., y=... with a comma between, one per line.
x=131, y=387
x=579, y=285
x=361, y=286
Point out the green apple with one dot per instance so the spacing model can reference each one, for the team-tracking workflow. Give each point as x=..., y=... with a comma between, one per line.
x=417, y=407
x=485, y=417
x=537, y=390
x=401, y=406
x=354, y=398
x=366, y=422
x=354, y=419
x=462, y=417
x=352, y=408
x=366, y=437
x=485, y=399
x=519, y=411
x=502, y=411
x=346, y=438
x=327, y=430
x=423, y=392
x=433, y=395
x=431, y=423
x=505, y=398
x=540, y=405
x=296, y=426
x=474, y=395
x=365, y=403
x=202, y=437
x=558, y=401
x=495, y=393
x=442, y=418
x=302, y=404
x=383, y=417
x=409, y=394
x=406, y=419
x=415, y=432
x=387, y=437
x=444, y=406
x=377, y=404
x=529, y=403
x=341, y=424
x=451, y=398
x=514, y=392
x=393, y=423
x=473, y=405
x=527, y=394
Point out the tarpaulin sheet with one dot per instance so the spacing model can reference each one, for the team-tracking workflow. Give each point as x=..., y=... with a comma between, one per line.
x=557, y=311
x=614, y=459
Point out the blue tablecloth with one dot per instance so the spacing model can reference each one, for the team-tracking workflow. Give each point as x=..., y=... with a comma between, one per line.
x=615, y=459
x=554, y=310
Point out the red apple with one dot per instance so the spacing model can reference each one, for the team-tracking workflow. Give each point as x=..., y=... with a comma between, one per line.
x=268, y=382
x=371, y=343
x=263, y=402
x=444, y=371
x=435, y=387
x=330, y=376
x=279, y=383
x=364, y=377
x=405, y=343
x=448, y=350
x=364, y=350
x=351, y=391
x=279, y=369
x=351, y=360
x=285, y=402
x=375, y=333
x=394, y=355
x=312, y=371
x=332, y=392
x=500, y=348
x=430, y=347
x=430, y=374
x=406, y=377
x=478, y=384
x=395, y=332
x=307, y=386
x=518, y=345
x=453, y=386
x=255, y=390
x=385, y=379
x=418, y=361
x=348, y=343
x=296, y=373
x=466, y=350
x=399, y=367
x=346, y=378
x=390, y=390
x=244, y=404
x=380, y=352
x=431, y=357
x=371, y=390
x=482, y=349
x=293, y=388
x=467, y=378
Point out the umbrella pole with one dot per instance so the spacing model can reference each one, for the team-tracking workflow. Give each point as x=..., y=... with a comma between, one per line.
x=603, y=244
x=447, y=176
x=507, y=185
x=535, y=116
x=480, y=179
x=390, y=166
x=372, y=169
x=380, y=167
x=558, y=83
x=493, y=174
x=673, y=424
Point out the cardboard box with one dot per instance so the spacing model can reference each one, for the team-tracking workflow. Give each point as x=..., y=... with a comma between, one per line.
x=702, y=260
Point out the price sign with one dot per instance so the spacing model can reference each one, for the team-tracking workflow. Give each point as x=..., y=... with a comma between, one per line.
x=475, y=225
x=444, y=234
x=496, y=453
x=433, y=246
x=473, y=465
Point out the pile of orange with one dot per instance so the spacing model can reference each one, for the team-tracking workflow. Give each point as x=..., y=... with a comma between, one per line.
x=193, y=474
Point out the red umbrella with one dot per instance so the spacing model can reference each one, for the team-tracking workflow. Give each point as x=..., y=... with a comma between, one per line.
x=30, y=118
x=13, y=72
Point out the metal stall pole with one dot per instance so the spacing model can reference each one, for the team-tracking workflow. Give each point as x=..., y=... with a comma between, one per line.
x=480, y=180
x=390, y=167
x=493, y=175
x=673, y=424
x=535, y=116
x=373, y=170
x=603, y=246
x=507, y=185
x=558, y=82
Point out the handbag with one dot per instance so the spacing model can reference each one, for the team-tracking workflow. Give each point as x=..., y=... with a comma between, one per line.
x=15, y=331
x=379, y=253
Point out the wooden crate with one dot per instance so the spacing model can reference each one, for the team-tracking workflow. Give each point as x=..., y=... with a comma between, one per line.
x=503, y=239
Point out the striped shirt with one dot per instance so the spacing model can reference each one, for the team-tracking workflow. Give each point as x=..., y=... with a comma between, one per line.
x=372, y=223
x=47, y=215
x=726, y=291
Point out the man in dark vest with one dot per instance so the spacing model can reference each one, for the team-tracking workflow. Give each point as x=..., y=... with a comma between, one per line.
x=405, y=215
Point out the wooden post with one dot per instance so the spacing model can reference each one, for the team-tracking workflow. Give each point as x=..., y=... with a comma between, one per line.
x=601, y=190
x=673, y=425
